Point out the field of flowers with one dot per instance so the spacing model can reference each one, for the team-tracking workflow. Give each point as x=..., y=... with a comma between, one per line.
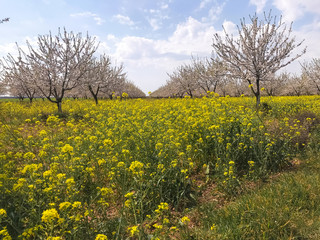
x=129, y=168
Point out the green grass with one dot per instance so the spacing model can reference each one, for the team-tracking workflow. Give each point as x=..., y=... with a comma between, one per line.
x=288, y=207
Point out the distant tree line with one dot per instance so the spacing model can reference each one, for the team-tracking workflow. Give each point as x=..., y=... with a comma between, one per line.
x=282, y=84
x=247, y=64
x=62, y=66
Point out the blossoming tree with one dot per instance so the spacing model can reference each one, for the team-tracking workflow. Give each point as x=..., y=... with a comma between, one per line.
x=261, y=48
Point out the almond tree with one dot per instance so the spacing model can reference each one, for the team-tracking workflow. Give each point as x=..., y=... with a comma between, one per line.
x=185, y=78
x=298, y=85
x=275, y=85
x=3, y=87
x=210, y=73
x=60, y=63
x=133, y=91
x=262, y=48
x=312, y=70
x=103, y=78
x=98, y=76
x=116, y=82
x=237, y=87
x=171, y=89
x=18, y=77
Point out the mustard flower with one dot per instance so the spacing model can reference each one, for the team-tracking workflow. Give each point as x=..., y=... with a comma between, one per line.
x=64, y=205
x=251, y=163
x=49, y=215
x=213, y=227
x=70, y=182
x=136, y=168
x=106, y=191
x=93, y=139
x=163, y=206
x=159, y=146
x=3, y=213
x=133, y=230
x=157, y=226
x=127, y=203
x=128, y=195
x=166, y=221
x=29, y=155
x=101, y=237
x=185, y=220
x=42, y=133
x=76, y=205
x=5, y=235
x=67, y=149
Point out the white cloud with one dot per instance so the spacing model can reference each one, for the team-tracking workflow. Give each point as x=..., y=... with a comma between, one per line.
x=125, y=20
x=230, y=27
x=191, y=36
x=103, y=48
x=154, y=23
x=204, y=3
x=164, y=6
x=147, y=60
x=295, y=9
x=111, y=37
x=156, y=16
x=259, y=4
x=215, y=11
x=55, y=2
x=133, y=48
x=96, y=18
x=8, y=48
x=214, y=7
x=310, y=34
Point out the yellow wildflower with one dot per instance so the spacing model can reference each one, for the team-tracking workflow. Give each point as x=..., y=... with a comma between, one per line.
x=76, y=205
x=101, y=237
x=64, y=206
x=3, y=213
x=133, y=230
x=67, y=148
x=213, y=227
x=49, y=215
x=185, y=220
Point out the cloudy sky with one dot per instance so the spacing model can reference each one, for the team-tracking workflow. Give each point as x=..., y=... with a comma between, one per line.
x=151, y=37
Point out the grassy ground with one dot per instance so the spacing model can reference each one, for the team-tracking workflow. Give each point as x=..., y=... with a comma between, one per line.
x=287, y=207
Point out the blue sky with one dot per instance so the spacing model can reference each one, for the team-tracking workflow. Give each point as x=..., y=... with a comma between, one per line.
x=151, y=37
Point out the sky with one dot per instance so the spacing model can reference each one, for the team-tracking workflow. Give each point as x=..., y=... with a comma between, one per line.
x=152, y=37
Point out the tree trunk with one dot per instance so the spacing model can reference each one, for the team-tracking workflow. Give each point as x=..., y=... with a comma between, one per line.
x=95, y=98
x=59, y=104
x=258, y=95
x=94, y=95
x=258, y=98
